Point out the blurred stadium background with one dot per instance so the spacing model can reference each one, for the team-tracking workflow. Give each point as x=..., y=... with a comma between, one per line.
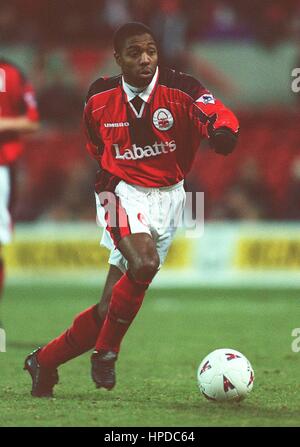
x=245, y=52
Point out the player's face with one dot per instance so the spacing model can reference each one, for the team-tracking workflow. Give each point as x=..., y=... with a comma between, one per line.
x=138, y=59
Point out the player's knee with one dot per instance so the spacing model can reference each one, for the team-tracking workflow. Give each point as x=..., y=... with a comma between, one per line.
x=145, y=268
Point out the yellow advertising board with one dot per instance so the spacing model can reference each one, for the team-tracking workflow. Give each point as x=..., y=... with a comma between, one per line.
x=267, y=253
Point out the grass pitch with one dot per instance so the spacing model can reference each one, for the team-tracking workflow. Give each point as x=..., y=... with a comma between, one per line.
x=156, y=371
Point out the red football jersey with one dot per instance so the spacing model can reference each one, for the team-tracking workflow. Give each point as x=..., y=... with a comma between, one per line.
x=154, y=146
x=17, y=98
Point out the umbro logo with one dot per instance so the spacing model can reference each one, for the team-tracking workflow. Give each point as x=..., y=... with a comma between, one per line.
x=125, y=124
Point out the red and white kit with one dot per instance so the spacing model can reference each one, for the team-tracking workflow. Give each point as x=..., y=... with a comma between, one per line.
x=16, y=99
x=146, y=148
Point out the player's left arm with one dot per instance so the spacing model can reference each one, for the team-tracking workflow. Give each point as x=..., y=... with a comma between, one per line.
x=94, y=144
x=219, y=123
x=20, y=124
x=27, y=120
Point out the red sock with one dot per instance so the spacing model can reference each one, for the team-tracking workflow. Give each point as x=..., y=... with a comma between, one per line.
x=126, y=300
x=76, y=340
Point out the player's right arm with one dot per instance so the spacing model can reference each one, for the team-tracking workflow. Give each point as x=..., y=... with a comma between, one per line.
x=94, y=142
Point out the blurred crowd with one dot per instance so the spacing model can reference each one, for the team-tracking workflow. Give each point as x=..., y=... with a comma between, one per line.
x=51, y=22
x=55, y=181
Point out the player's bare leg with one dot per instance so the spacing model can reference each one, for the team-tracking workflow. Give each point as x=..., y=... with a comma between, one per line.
x=127, y=296
x=79, y=338
x=1, y=270
x=113, y=276
x=1, y=278
x=140, y=251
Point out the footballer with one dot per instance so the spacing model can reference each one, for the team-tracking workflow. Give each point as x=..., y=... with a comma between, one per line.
x=143, y=128
x=18, y=116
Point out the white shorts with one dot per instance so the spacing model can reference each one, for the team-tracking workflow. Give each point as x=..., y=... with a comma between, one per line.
x=5, y=218
x=155, y=211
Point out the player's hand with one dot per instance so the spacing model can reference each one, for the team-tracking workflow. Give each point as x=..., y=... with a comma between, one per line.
x=223, y=140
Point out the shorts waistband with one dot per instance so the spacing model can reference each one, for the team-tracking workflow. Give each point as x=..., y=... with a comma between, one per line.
x=159, y=188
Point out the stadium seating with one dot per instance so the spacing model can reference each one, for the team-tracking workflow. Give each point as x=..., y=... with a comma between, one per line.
x=272, y=139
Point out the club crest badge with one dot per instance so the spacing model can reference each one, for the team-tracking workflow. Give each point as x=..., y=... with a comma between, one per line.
x=163, y=119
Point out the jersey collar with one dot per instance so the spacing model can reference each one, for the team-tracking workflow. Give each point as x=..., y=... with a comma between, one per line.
x=146, y=94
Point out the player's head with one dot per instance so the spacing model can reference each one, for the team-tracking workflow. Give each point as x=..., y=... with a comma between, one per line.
x=136, y=53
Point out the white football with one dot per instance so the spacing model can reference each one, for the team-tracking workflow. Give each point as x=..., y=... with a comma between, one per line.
x=225, y=374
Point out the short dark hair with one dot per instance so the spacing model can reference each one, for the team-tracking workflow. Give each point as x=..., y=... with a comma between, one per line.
x=128, y=30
